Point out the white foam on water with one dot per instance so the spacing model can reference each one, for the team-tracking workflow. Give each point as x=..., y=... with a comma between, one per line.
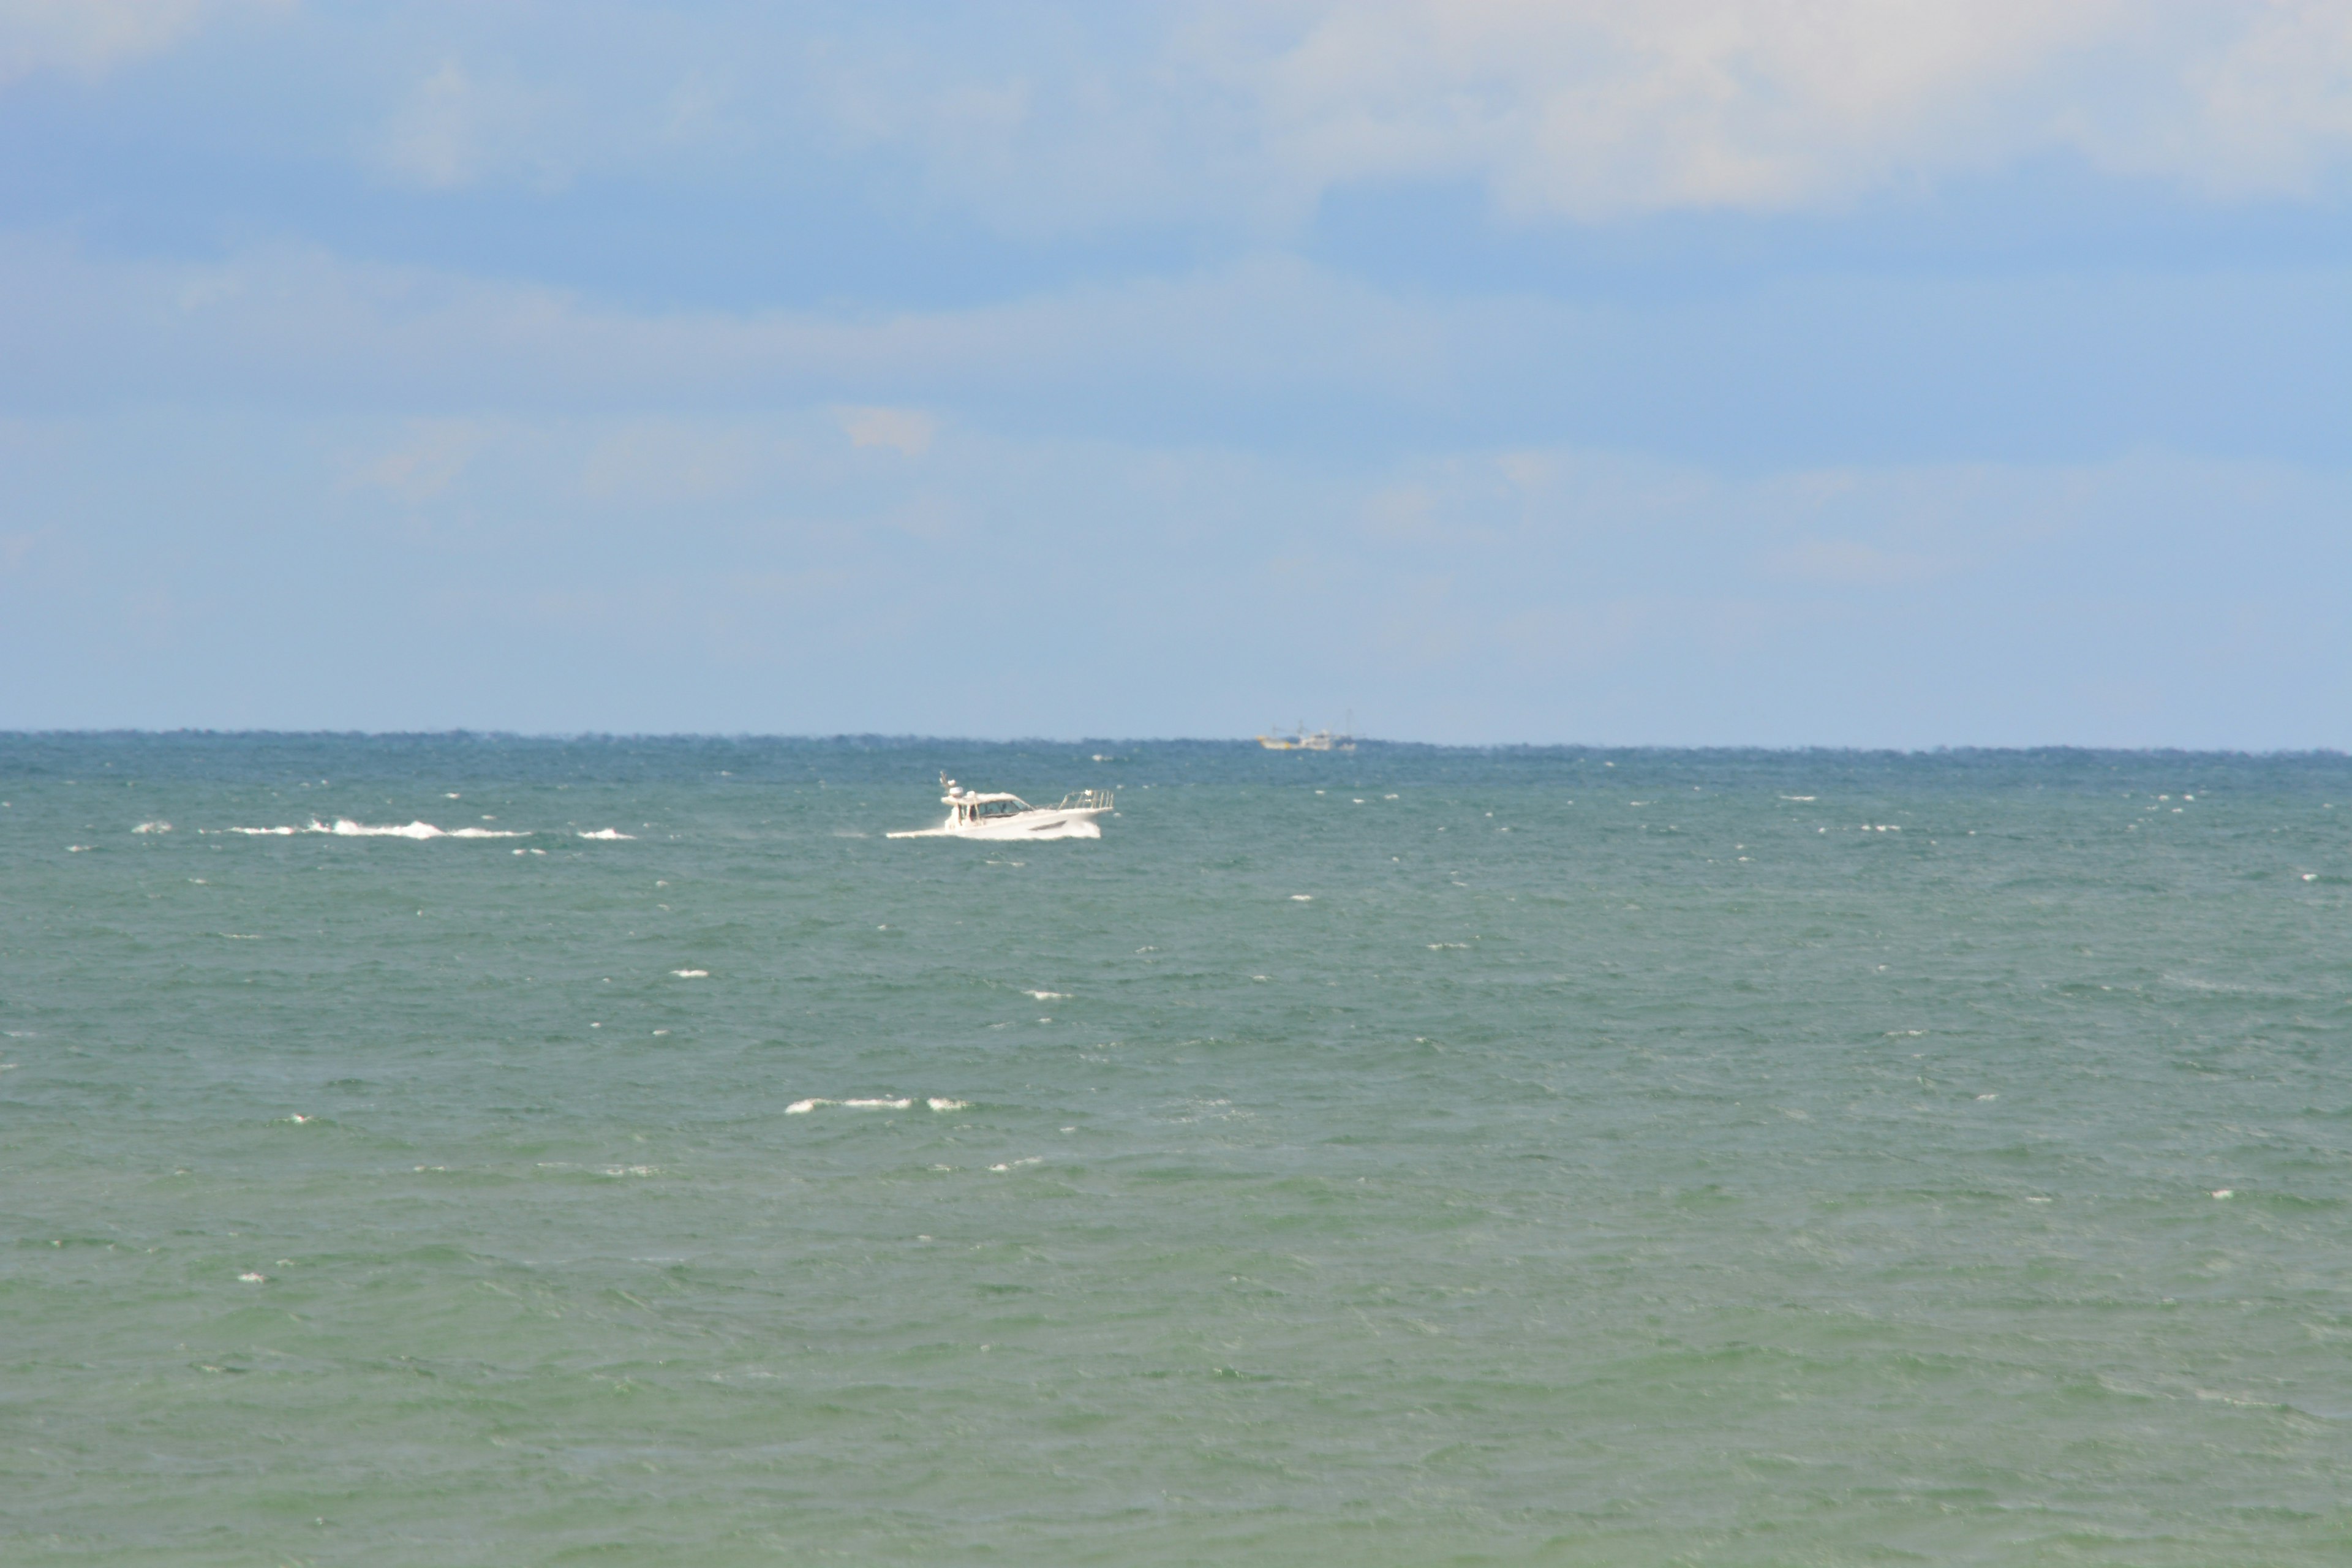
x=1302, y=898
x=75, y=848
x=345, y=828
x=152, y=827
x=608, y=832
x=1016, y=1164
x=802, y=1107
x=252, y=1277
x=691, y=973
x=1048, y=995
x=2223, y=1192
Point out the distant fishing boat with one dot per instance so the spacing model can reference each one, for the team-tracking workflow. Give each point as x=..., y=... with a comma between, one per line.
x=973, y=814
x=1304, y=740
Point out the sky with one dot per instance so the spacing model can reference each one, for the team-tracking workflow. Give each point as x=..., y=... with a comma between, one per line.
x=1848, y=373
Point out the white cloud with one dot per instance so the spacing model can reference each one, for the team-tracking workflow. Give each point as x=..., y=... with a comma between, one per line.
x=1247, y=112
x=457, y=129
x=88, y=37
x=431, y=456
x=906, y=431
x=1597, y=107
x=1588, y=109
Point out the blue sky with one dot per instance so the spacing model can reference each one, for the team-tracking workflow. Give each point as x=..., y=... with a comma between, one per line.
x=1799, y=371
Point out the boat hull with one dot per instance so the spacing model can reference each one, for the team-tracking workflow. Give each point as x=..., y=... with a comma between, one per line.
x=1045, y=822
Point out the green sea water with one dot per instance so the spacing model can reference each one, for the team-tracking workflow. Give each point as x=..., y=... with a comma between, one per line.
x=1408, y=1156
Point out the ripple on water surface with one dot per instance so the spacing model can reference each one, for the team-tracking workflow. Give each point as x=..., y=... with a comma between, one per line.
x=1830, y=1158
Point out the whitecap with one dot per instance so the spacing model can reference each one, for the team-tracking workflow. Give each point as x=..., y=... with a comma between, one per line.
x=1048, y=995
x=608, y=832
x=1016, y=1164
x=802, y=1107
x=252, y=1277
x=691, y=973
x=345, y=828
x=936, y=1104
x=152, y=827
x=1302, y=898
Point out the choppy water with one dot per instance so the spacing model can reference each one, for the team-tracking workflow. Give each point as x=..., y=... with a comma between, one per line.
x=1399, y=1158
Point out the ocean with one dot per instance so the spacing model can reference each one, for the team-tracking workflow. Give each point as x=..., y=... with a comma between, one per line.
x=1399, y=1157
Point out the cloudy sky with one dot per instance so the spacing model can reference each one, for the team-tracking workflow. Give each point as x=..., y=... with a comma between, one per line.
x=1841, y=371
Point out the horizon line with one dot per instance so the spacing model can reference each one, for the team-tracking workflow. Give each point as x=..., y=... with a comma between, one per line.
x=909, y=739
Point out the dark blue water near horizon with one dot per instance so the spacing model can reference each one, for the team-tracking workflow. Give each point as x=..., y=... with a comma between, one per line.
x=454, y=1149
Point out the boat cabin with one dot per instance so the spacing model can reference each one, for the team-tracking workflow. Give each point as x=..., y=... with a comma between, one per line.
x=967, y=806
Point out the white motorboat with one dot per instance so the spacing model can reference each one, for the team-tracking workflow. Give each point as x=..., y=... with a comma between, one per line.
x=973, y=814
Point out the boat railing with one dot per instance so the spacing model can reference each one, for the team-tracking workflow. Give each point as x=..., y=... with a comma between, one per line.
x=1085, y=800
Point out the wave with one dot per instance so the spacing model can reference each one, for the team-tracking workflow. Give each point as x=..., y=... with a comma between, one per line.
x=608, y=832
x=802, y=1107
x=344, y=827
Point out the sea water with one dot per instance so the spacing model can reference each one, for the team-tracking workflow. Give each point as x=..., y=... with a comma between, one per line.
x=449, y=1151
